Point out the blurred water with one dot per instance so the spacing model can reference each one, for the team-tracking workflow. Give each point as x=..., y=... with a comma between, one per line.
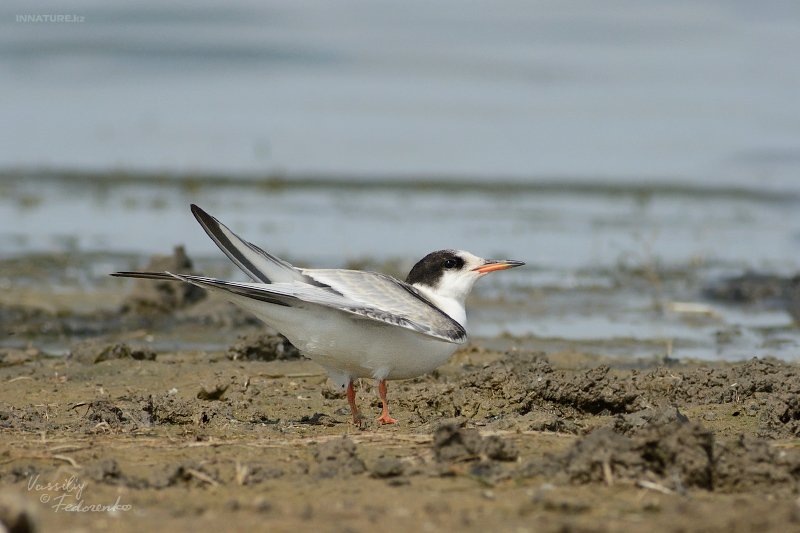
x=557, y=230
x=688, y=92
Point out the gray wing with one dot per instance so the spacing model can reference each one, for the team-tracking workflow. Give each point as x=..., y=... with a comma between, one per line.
x=400, y=306
x=374, y=290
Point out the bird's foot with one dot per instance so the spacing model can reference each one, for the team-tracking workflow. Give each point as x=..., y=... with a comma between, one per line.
x=386, y=419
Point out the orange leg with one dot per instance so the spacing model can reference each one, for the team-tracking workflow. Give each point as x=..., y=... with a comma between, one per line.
x=351, y=397
x=385, y=418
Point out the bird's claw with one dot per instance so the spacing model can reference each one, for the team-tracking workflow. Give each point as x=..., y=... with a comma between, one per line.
x=386, y=419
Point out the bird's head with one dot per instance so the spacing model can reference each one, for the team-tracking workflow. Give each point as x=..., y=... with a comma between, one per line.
x=452, y=273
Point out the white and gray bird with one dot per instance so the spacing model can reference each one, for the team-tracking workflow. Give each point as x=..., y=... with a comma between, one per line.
x=355, y=324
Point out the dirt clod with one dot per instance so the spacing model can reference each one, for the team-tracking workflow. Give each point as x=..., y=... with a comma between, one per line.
x=213, y=393
x=676, y=454
x=549, y=422
x=453, y=442
x=318, y=419
x=96, y=350
x=629, y=424
x=106, y=470
x=263, y=346
x=151, y=296
x=338, y=457
x=387, y=467
x=750, y=464
x=185, y=472
x=167, y=409
x=253, y=474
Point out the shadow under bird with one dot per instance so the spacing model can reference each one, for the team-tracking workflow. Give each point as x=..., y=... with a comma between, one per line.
x=355, y=324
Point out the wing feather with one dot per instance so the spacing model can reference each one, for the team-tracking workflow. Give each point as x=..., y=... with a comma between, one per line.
x=255, y=262
x=411, y=312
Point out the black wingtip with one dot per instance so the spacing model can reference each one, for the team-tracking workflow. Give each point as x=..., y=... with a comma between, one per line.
x=205, y=220
x=198, y=213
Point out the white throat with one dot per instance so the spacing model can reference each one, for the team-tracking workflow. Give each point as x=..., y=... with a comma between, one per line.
x=452, y=306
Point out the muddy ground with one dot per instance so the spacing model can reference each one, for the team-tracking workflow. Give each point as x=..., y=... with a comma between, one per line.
x=121, y=435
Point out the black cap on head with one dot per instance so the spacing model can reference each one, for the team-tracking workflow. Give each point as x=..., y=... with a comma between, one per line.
x=429, y=270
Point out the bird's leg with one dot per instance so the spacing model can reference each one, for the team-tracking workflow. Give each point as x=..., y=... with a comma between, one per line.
x=385, y=418
x=351, y=397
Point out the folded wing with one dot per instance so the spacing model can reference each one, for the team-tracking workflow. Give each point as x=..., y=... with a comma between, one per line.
x=394, y=307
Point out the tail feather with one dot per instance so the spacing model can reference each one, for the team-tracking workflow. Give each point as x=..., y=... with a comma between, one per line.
x=164, y=276
x=262, y=293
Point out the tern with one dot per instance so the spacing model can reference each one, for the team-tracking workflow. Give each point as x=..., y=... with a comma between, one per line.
x=355, y=324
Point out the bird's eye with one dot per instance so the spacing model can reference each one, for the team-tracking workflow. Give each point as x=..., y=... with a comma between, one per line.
x=450, y=263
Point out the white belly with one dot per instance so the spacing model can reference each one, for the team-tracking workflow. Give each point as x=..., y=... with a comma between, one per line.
x=350, y=347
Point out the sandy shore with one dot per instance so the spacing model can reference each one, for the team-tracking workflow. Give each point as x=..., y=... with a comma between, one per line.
x=121, y=434
x=199, y=441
